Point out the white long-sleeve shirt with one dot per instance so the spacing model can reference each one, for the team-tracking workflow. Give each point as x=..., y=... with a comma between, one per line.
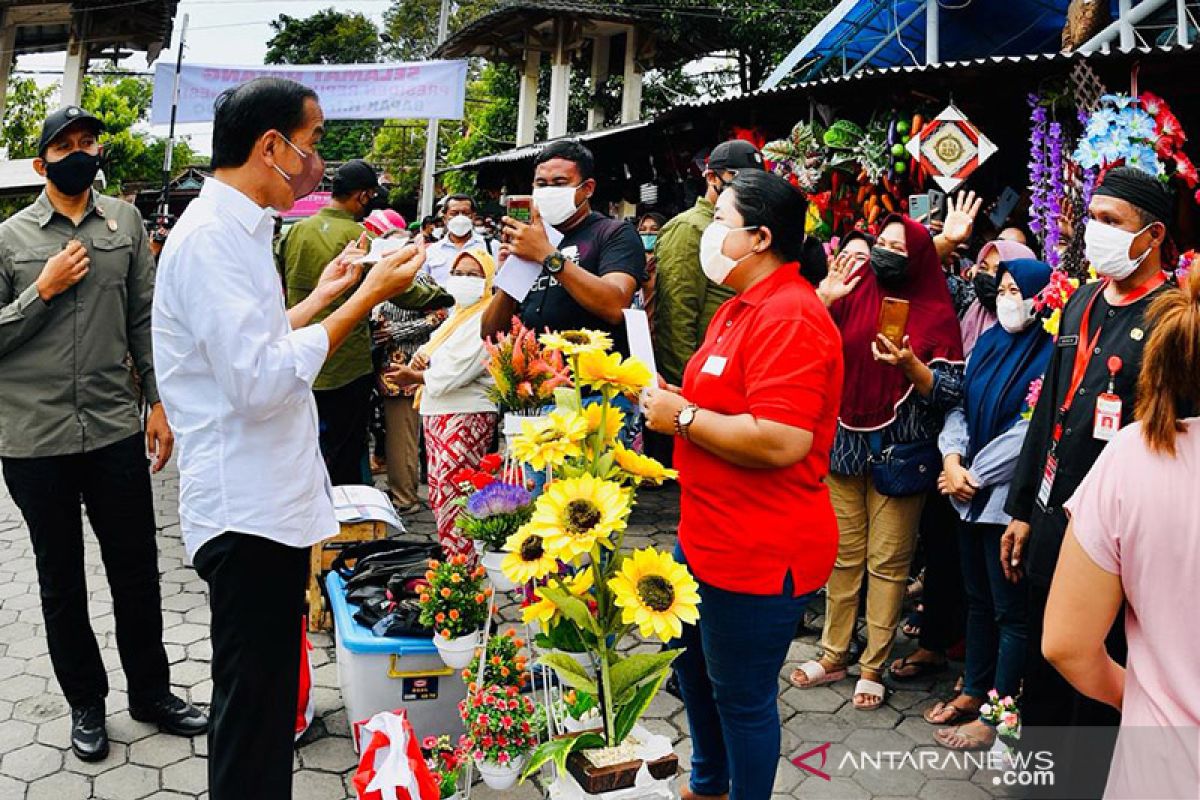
x=236, y=380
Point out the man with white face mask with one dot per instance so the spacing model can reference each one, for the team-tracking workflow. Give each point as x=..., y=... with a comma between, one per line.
x=590, y=278
x=1088, y=394
x=460, y=236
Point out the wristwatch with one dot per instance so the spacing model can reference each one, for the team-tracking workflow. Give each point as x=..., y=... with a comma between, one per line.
x=684, y=419
x=554, y=262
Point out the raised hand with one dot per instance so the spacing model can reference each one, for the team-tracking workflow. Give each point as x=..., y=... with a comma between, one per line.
x=341, y=274
x=960, y=217
x=838, y=282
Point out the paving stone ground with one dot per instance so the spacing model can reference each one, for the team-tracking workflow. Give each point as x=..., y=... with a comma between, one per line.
x=36, y=762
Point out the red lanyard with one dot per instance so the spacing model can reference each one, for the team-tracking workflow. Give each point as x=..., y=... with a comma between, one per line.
x=1083, y=355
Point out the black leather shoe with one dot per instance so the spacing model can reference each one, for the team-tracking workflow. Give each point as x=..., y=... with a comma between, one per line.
x=173, y=715
x=89, y=740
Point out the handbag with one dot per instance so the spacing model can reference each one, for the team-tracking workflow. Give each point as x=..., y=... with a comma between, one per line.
x=904, y=469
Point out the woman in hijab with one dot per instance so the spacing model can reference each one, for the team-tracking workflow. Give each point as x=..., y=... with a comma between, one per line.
x=981, y=314
x=981, y=444
x=459, y=418
x=885, y=456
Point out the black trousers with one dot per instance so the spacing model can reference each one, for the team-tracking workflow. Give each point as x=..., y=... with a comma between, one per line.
x=345, y=415
x=944, y=619
x=256, y=596
x=114, y=484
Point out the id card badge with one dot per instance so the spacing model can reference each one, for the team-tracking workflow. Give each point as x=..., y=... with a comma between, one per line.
x=714, y=365
x=1108, y=417
x=1043, y=495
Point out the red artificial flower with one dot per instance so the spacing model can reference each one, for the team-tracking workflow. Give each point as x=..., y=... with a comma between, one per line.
x=429, y=742
x=481, y=480
x=525, y=727
x=502, y=740
x=491, y=463
x=1186, y=170
x=511, y=691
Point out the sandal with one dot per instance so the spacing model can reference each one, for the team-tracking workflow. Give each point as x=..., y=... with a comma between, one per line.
x=912, y=623
x=958, y=714
x=811, y=674
x=916, y=670
x=959, y=740
x=872, y=689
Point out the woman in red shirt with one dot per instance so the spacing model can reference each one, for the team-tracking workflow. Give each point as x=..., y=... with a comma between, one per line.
x=754, y=423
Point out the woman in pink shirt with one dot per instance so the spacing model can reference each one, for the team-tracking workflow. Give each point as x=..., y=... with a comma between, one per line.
x=1134, y=538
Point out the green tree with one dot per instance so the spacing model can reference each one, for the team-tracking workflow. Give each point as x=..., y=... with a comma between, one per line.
x=330, y=37
x=26, y=106
x=410, y=26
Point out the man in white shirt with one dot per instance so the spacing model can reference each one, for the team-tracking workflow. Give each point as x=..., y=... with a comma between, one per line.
x=235, y=373
x=459, y=221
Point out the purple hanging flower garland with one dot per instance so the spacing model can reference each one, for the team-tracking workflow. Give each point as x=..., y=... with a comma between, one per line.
x=1046, y=178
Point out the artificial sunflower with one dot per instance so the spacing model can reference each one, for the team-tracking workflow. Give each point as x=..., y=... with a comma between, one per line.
x=576, y=514
x=549, y=441
x=614, y=420
x=527, y=558
x=609, y=372
x=642, y=467
x=572, y=343
x=543, y=610
x=656, y=593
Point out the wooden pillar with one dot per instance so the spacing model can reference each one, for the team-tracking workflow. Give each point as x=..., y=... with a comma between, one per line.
x=8, y=42
x=75, y=66
x=527, y=98
x=560, y=82
x=631, y=97
x=600, y=54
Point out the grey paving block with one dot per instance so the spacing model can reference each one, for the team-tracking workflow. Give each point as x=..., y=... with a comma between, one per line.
x=126, y=782
x=31, y=762
x=60, y=786
x=160, y=751
x=190, y=776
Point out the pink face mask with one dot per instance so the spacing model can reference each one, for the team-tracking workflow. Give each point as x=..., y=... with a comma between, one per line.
x=308, y=178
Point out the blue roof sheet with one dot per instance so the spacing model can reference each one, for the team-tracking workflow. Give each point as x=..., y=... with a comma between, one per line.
x=967, y=29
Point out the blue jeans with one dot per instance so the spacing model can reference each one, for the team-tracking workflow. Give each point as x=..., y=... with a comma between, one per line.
x=729, y=678
x=997, y=613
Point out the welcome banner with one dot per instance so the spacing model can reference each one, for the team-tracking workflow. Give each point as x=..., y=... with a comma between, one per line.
x=417, y=90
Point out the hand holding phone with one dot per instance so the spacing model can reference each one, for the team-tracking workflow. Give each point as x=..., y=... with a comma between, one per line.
x=893, y=320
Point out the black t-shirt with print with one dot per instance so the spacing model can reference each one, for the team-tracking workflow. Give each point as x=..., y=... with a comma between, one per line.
x=601, y=246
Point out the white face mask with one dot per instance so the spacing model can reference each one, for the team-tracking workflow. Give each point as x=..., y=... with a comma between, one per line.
x=460, y=226
x=1015, y=314
x=713, y=261
x=465, y=289
x=556, y=204
x=1107, y=250
x=480, y=230
x=437, y=233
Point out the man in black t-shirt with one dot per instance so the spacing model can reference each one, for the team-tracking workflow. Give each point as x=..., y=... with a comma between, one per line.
x=591, y=277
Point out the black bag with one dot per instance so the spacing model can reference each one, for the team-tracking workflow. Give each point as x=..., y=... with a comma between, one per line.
x=376, y=563
x=906, y=469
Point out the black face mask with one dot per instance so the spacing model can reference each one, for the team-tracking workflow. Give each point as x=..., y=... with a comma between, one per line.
x=985, y=289
x=74, y=174
x=890, y=268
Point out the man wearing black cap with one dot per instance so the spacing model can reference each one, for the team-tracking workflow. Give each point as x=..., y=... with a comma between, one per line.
x=343, y=387
x=1097, y=356
x=76, y=284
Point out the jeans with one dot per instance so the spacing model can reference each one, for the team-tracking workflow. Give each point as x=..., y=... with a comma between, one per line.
x=345, y=415
x=114, y=483
x=256, y=595
x=729, y=678
x=997, y=615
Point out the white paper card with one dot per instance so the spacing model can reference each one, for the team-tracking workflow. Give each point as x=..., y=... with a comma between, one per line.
x=715, y=365
x=380, y=248
x=517, y=276
x=637, y=328
x=355, y=503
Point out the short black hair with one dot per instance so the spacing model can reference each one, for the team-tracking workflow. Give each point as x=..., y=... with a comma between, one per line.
x=766, y=200
x=244, y=113
x=459, y=198
x=430, y=220
x=571, y=150
x=658, y=218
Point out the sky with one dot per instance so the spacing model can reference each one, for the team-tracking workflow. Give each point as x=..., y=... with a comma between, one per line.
x=219, y=32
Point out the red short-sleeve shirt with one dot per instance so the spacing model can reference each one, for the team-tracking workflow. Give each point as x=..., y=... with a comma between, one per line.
x=772, y=352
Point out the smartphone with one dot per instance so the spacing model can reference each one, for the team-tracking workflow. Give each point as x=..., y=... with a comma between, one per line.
x=918, y=208
x=520, y=207
x=893, y=319
x=937, y=205
x=1004, y=206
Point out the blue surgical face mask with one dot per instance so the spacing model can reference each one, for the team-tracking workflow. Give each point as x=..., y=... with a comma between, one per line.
x=648, y=241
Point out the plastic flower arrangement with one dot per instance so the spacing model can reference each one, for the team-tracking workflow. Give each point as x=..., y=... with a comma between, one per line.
x=603, y=592
x=500, y=724
x=454, y=602
x=524, y=373
x=1053, y=299
x=1031, y=398
x=506, y=664
x=445, y=762
x=494, y=513
x=1001, y=713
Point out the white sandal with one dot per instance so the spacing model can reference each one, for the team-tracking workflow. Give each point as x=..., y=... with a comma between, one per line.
x=816, y=675
x=871, y=689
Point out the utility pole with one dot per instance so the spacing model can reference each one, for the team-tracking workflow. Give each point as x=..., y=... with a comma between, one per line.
x=431, y=134
x=164, y=206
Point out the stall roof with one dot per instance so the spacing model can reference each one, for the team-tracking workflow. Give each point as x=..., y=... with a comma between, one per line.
x=874, y=33
x=44, y=25
x=531, y=150
x=17, y=177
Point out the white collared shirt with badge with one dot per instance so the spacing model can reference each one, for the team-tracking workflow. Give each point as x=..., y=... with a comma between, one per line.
x=236, y=380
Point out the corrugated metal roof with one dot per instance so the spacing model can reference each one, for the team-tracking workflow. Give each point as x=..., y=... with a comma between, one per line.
x=531, y=150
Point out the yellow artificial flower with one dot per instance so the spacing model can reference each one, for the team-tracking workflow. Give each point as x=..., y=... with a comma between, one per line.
x=576, y=514
x=1050, y=324
x=656, y=593
x=572, y=343
x=581, y=584
x=613, y=421
x=527, y=558
x=546, y=611
x=608, y=371
x=549, y=441
x=643, y=467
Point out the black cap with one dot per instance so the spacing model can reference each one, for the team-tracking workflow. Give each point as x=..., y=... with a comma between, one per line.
x=1141, y=189
x=60, y=120
x=735, y=154
x=354, y=176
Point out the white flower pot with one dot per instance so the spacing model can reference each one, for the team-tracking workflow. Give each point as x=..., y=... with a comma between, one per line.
x=500, y=776
x=512, y=424
x=458, y=652
x=572, y=725
x=491, y=560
